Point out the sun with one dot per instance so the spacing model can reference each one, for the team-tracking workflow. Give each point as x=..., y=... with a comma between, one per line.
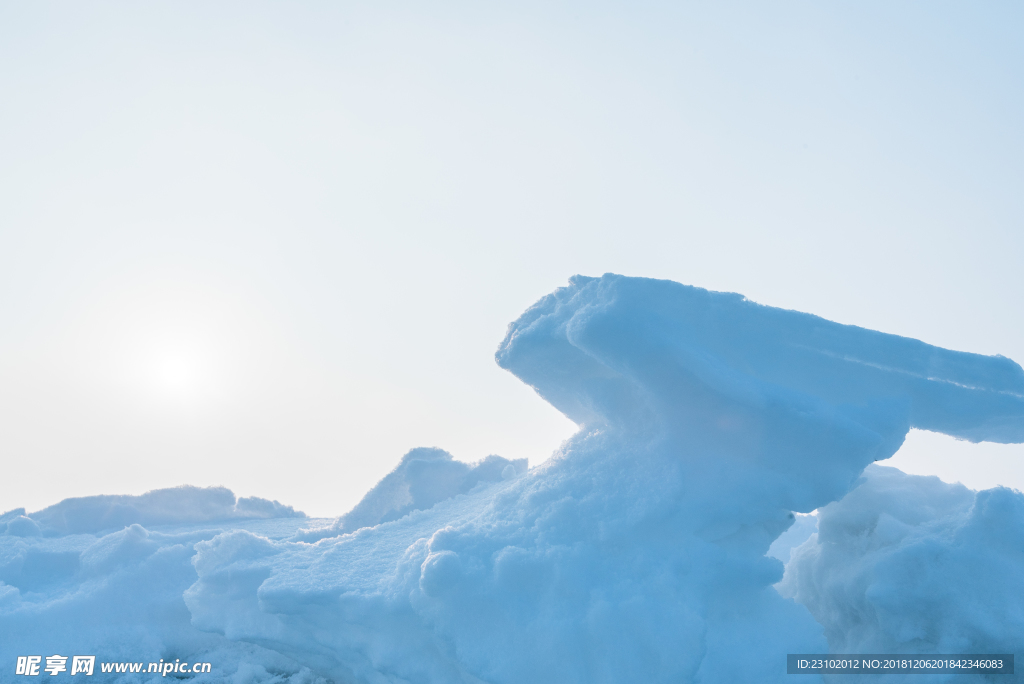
x=177, y=373
x=168, y=351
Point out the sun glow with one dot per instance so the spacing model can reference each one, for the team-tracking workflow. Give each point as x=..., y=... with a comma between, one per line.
x=178, y=366
x=170, y=349
x=181, y=369
x=177, y=373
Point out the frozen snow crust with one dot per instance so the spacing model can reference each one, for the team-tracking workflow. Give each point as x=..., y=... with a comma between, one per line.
x=910, y=564
x=118, y=594
x=180, y=505
x=636, y=554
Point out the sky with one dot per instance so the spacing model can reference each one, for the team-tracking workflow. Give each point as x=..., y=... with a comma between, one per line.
x=274, y=246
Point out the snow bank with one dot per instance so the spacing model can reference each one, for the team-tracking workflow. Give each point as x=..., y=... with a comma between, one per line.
x=639, y=552
x=910, y=564
x=178, y=505
x=118, y=595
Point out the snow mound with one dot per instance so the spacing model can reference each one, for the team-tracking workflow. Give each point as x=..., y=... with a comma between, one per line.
x=646, y=549
x=637, y=553
x=911, y=564
x=118, y=596
x=175, y=506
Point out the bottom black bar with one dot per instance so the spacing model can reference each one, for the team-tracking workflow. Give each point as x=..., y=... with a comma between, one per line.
x=900, y=663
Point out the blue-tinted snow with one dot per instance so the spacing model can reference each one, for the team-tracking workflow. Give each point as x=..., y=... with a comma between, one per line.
x=801, y=530
x=424, y=477
x=178, y=506
x=911, y=564
x=642, y=551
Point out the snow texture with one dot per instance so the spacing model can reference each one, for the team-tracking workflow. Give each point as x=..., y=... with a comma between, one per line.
x=424, y=477
x=803, y=527
x=911, y=564
x=180, y=505
x=646, y=549
x=118, y=595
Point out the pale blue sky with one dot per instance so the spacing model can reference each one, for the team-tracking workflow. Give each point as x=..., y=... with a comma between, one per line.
x=274, y=245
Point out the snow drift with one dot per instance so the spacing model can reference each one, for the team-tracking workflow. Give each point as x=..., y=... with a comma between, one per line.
x=180, y=505
x=118, y=594
x=636, y=553
x=910, y=564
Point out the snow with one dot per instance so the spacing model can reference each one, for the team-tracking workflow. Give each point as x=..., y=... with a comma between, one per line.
x=180, y=505
x=650, y=547
x=911, y=564
x=803, y=527
x=424, y=477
